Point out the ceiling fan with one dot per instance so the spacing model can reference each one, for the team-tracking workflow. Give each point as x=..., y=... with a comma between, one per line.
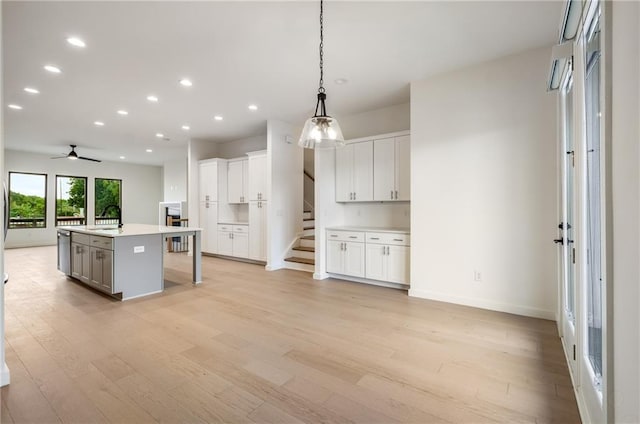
x=72, y=155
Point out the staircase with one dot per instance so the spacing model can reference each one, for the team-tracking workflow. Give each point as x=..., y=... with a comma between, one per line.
x=302, y=254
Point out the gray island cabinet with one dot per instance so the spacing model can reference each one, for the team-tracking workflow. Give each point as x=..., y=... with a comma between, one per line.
x=123, y=262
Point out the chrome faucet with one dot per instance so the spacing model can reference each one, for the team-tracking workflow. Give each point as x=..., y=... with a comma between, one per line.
x=106, y=209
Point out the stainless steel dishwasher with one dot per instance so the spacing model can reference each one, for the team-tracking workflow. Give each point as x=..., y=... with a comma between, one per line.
x=64, y=251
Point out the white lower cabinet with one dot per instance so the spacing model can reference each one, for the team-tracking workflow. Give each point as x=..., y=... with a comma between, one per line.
x=345, y=253
x=388, y=257
x=344, y=257
x=233, y=240
x=387, y=263
x=382, y=256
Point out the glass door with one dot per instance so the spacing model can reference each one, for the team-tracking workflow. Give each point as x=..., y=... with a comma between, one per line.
x=567, y=226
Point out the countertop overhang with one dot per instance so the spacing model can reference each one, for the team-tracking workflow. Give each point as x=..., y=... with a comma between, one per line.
x=127, y=230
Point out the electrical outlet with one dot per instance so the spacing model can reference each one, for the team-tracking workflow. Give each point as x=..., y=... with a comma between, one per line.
x=477, y=275
x=138, y=249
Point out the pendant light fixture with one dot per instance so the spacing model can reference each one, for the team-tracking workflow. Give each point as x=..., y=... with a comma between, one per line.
x=321, y=130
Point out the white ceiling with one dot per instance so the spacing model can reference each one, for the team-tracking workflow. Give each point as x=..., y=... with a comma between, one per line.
x=236, y=53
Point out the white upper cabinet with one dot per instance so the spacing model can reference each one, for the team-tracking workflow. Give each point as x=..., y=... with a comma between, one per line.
x=208, y=181
x=238, y=176
x=391, y=159
x=354, y=172
x=257, y=176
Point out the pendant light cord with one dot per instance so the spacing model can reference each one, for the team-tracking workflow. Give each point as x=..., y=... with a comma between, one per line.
x=321, y=88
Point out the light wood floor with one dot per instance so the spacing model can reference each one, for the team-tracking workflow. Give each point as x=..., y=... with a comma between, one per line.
x=268, y=347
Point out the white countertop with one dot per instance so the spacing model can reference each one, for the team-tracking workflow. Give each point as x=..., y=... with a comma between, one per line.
x=126, y=230
x=403, y=230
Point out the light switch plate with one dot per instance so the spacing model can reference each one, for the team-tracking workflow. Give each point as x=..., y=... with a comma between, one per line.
x=138, y=249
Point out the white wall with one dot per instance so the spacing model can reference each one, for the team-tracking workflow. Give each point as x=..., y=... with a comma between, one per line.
x=284, y=210
x=625, y=162
x=141, y=191
x=483, y=186
x=379, y=121
x=175, y=180
x=239, y=148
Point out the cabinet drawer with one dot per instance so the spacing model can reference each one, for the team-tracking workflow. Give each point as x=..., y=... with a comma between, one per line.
x=225, y=227
x=240, y=228
x=398, y=239
x=102, y=242
x=81, y=238
x=355, y=236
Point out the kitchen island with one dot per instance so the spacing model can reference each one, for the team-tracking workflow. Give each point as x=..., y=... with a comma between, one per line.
x=124, y=262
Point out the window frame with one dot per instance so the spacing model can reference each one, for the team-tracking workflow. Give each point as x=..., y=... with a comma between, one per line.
x=95, y=197
x=45, y=201
x=86, y=191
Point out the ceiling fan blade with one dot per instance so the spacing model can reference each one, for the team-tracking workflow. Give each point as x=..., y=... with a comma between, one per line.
x=94, y=160
x=58, y=157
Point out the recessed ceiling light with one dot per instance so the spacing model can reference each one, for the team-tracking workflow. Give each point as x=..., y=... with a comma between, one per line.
x=76, y=42
x=122, y=157
x=159, y=135
x=98, y=124
x=253, y=107
x=31, y=90
x=341, y=81
x=16, y=107
x=152, y=98
x=186, y=127
x=218, y=118
x=186, y=82
x=123, y=112
x=53, y=69
x=149, y=150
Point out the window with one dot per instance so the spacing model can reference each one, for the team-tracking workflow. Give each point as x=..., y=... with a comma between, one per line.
x=71, y=200
x=27, y=200
x=108, y=200
x=594, y=209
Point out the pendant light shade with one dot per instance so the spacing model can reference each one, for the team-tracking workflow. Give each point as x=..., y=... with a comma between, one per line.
x=321, y=130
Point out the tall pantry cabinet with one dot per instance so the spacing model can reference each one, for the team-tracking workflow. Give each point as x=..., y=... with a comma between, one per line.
x=257, y=195
x=210, y=179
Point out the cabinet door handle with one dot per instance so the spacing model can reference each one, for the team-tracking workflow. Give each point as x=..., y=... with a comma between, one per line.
x=345, y=247
x=396, y=194
x=333, y=235
x=398, y=240
x=353, y=237
x=355, y=195
x=374, y=238
x=391, y=194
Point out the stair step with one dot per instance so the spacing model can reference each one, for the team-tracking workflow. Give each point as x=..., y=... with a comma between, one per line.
x=308, y=238
x=305, y=249
x=309, y=219
x=309, y=228
x=301, y=260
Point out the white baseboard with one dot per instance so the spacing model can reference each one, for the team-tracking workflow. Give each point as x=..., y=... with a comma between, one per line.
x=274, y=266
x=320, y=275
x=5, y=375
x=368, y=281
x=484, y=304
